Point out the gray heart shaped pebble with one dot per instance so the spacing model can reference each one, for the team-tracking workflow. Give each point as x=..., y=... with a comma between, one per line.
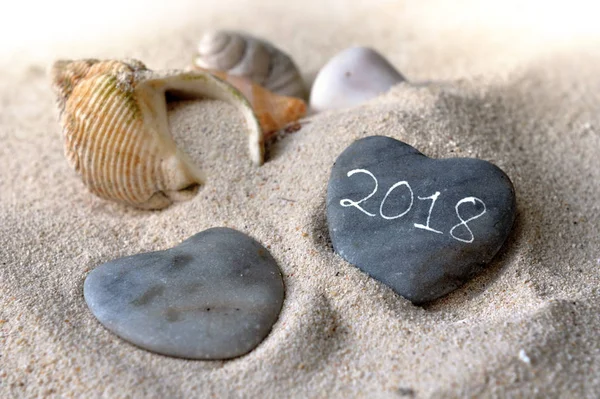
x=422, y=226
x=214, y=296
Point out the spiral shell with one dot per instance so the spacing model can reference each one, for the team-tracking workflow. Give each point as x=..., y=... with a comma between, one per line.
x=241, y=54
x=116, y=133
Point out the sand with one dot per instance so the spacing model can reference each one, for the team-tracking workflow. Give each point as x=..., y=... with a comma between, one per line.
x=513, y=84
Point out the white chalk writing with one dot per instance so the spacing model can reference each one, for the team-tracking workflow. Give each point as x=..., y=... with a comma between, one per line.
x=400, y=183
x=472, y=200
x=346, y=202
x=433, y=198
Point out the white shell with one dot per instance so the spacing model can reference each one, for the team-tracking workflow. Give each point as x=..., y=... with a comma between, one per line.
x=351, y=77
x=240, y=54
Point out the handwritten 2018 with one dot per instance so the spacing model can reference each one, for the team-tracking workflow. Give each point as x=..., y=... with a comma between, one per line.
x=346, y=202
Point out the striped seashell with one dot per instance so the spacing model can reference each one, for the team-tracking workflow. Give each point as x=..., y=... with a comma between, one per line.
x=272, y=111
x=116, y=133
x=241, y=54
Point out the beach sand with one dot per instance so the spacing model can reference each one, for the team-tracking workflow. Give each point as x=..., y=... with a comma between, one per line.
x=504, y=83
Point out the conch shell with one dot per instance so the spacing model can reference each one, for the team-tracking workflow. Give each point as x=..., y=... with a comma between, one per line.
x=273, y=111
x=241, y=54
x=116, y=132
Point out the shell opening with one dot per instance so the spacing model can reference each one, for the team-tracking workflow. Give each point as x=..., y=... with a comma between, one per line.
x=204, y=85
x=115, y=124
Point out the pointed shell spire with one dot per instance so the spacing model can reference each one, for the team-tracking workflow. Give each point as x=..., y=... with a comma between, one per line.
x=273, y=111
x=116, y=133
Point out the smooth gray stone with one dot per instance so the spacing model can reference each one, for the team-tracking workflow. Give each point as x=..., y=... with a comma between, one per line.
x=421, y=251
x=214, y=296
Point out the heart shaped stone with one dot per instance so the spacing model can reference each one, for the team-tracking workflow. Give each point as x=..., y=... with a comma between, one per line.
x=422, y=226
x=214, y=296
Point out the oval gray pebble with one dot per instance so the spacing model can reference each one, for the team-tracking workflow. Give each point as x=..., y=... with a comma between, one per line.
x=352, y=77
x=214, y=296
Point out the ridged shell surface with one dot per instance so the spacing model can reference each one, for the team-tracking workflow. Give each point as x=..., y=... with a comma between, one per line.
x=241, y=54
x=116, y=132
